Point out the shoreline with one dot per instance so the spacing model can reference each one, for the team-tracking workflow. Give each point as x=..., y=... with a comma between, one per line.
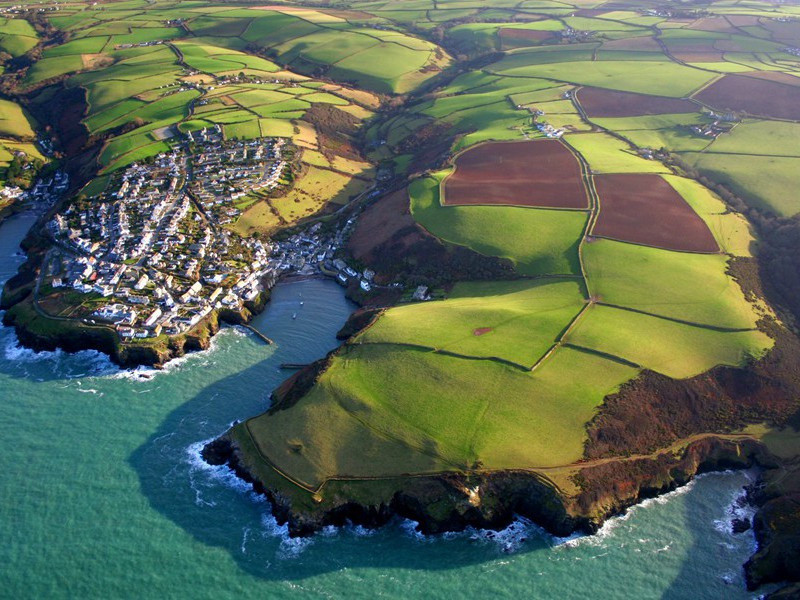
x=504, y=494
x=77, y=337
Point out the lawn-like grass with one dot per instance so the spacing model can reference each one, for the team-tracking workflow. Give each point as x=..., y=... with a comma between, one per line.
x=539, y=420
x=607, y=154
x=406, y=411
x=47, y=68
x=765, y=138
x=14, y=121
x=523, y=319
x=762, y=181
x=645, y=77
x=538, y=241
x=679, y=285
x=673, y=349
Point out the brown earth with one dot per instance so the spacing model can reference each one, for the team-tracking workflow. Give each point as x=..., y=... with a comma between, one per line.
x=482, y=330
x=718, y=24
x=541, y=173
x=777, y=76
x=755, y=96
x=699, y=57
x=510, y=37
x=743, y=20
x=600, y=103
x=645, y=209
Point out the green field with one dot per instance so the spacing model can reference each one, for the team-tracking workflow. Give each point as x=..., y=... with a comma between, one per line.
x=607, y=154
x=688, y=287
x=384, y=405
x=523, y=319
x=761, y=180
x=539, y=242
x=670, y=348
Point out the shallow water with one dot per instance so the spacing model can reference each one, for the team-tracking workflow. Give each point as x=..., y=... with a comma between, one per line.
x=103, y=495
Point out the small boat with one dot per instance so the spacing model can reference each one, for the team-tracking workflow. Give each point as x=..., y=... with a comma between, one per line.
x=294, y=316
x=301, y=303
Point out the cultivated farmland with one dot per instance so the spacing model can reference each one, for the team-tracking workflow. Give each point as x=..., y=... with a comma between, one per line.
x=645, y=209
x=543, y=173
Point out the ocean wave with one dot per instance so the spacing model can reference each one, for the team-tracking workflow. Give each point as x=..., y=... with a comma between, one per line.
x=288, y=547
x=143, y=373
x=508, y=540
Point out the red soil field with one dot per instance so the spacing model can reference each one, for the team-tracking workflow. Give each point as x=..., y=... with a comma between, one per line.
x=598, y=102
x=645, y=209
x=718, y=24
x=699, y=57
x=517, y=37
x=778, y=76
x=756, y=96
x=541, y=173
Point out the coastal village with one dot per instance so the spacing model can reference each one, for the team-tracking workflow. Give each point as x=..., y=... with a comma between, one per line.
x=151, y=256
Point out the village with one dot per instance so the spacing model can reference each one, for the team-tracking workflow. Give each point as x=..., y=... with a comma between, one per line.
x=150, y=255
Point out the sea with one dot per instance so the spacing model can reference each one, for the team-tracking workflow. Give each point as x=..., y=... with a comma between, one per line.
x=103, y=493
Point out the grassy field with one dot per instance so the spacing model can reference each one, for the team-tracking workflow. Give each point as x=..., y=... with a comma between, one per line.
x=539, y=242
x=673, y=349
x=382, y=404
x=646, y=77
x=607, y=154
x=678, y=285
x=761, y=180
x=516, y=321
x=15, y=122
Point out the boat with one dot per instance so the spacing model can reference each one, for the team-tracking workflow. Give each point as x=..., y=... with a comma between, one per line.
x=294, y=316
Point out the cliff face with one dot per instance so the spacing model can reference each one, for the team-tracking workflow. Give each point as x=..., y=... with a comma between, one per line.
x=491, y=500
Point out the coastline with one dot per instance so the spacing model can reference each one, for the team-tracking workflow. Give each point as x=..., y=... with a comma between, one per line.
x=33, y=332
x=443, y=503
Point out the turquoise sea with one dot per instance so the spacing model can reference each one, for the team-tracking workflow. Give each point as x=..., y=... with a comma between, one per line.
x=103, y=494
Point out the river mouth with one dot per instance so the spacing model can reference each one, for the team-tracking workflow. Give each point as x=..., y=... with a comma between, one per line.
x=104, y=495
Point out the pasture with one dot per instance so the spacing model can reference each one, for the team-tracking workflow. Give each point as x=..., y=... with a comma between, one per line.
x=538, y=241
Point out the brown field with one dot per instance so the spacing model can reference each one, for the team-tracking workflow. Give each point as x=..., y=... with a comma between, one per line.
x=699, y=57
x=778, y=76
x=786, y=33
x=717, y=24
x=756, y=96
x=645, y=209
x=541, y=173
x=743, y=20
x=598, y=102
x=517, y=37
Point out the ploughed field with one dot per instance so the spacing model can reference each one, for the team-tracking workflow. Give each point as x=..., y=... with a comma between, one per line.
x=756, y=96
x=543, y=173
x=599, y=102
x=645, y=209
